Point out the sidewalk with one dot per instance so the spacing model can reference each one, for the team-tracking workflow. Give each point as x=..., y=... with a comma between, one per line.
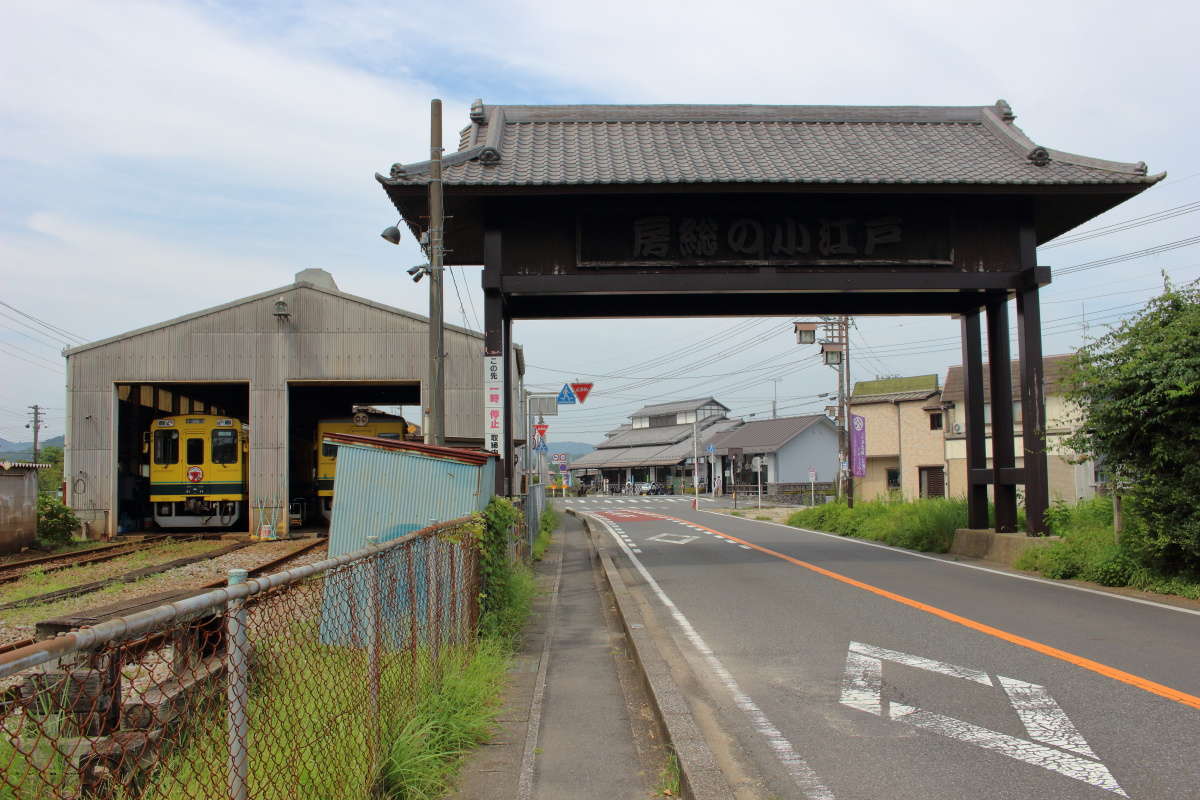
x=567, y=729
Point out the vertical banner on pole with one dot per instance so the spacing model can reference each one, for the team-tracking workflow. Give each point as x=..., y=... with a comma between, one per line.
x=493, y=404
x=858, y=446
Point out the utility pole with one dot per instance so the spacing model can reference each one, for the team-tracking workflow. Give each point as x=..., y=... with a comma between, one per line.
x=774, y=396
x=36, y=425
x=837, y=341
x=437, y=332
x=696, y=463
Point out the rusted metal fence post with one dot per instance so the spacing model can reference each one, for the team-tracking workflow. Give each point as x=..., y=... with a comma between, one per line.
x=237, y=643
x=374, y=587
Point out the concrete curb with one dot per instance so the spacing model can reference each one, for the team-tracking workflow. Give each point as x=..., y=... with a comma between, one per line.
x=700, y=777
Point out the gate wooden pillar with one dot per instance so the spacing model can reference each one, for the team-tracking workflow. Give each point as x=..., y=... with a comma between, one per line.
x=1033, y=410
x=496, y=324
x=1004, y=473
x=509, y=456
x=977, y=478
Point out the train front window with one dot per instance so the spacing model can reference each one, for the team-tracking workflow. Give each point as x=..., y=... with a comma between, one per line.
x=195, y=451
x=224, y=447
x=166, y=447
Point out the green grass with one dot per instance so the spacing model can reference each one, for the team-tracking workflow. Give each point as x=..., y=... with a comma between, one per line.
x=547, y=524
x=926, y=525
x=669, y=777
x=427, y=750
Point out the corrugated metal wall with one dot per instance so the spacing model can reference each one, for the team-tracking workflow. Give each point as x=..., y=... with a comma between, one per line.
x=389, y=493
x=329, y=336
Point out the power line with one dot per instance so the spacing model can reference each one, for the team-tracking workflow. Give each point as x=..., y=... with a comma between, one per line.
x=44, y=324
x=1117, y=227
x=461, y=311
x=1149, y=251
x=27, y=361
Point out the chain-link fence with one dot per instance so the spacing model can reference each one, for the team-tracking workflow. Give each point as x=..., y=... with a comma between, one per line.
x=277, y=687
x=533, y=506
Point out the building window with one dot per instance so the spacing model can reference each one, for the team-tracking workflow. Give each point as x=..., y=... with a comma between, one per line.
x=893, y=479
x=935, y=421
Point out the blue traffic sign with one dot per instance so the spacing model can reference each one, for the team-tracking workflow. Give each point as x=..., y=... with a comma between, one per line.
x=566, y=396
x=711, y=449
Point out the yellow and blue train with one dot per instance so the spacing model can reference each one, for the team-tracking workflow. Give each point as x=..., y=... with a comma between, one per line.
x=198, y=470
x=361, y=424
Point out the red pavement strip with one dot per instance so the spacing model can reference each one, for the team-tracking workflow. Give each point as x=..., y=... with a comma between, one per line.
x=1012, y=638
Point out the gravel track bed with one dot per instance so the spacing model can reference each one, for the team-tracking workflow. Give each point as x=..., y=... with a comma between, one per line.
x=19, y=623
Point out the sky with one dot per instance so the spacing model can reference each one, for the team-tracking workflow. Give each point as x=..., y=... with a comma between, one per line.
x=162, y=157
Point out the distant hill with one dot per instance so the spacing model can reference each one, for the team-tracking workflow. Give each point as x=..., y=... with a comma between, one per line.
x=573, y=449
x=25, y=449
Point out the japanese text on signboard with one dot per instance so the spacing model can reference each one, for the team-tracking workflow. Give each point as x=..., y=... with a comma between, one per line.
x=493, y=404
x=796, y=238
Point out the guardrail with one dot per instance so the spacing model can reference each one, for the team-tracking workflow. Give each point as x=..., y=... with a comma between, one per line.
x=274, y=687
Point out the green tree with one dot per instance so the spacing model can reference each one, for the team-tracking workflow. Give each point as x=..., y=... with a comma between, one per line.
x=1138, y=389
x=50, y=480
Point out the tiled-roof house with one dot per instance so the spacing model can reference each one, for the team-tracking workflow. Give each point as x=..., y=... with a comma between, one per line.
x=905, y=447
x=656, y=446
x=1068, y=481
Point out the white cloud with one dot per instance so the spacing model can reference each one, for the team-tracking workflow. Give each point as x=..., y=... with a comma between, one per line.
x=153, y=81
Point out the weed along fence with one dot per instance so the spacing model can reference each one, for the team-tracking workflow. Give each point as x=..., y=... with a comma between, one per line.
x=277, y=687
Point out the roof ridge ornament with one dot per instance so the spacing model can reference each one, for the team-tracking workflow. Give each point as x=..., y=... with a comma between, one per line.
x=1005, y=110
x=489, y=156
x=397, y=172
x=478, y=114
x=1040, y=156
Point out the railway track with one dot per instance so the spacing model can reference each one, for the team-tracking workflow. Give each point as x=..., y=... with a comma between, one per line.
x=264, y=568
x=15, y=570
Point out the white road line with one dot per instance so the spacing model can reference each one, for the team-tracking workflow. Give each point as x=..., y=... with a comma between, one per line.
x=1059, y=584
x=862, y=686
x=799, y=770
x=745, y=547
x=928, y=664
x=1043, y=718
x=1081, y=769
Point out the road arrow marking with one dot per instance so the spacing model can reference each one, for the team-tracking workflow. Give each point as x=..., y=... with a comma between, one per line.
x=673, y=538
x=1043, y=718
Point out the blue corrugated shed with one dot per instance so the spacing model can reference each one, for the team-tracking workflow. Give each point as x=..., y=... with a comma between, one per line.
x=385, y=488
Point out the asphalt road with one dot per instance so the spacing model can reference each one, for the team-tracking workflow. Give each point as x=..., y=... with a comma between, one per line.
x=847, y=670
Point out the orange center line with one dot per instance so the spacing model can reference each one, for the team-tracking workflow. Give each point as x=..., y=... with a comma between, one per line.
x=1012, y=638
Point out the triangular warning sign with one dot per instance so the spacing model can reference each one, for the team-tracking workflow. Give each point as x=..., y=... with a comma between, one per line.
x=581, y=390
x=540, y=430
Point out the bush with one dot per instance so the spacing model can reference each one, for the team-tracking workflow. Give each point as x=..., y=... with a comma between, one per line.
x=927, y=525
x=1138, y=392
x=1088, y=550
x=56, y=522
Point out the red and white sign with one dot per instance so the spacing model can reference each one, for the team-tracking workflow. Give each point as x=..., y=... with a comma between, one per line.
x=582, y=390
x=195, y=474
x=540, y=430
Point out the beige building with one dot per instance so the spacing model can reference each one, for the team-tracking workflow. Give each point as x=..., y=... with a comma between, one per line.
x=905, y=445
x=1068, y=481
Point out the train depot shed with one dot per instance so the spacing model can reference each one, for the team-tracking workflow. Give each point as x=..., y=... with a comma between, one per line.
x=272, y=367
